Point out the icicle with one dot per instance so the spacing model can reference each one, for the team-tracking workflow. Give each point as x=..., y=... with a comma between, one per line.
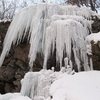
x=66, y=33
x=46, y=26
x=91, y=64
x=53, y=69
x=36, y=84
x=29, y=84
x=15, y=32
x=66, y=62
x=71, y=65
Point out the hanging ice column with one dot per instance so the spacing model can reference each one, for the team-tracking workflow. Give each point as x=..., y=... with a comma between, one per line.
x=68, y=35
x=43, y=31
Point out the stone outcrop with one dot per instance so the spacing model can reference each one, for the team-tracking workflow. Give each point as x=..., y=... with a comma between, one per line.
x=96, y=25
x=96, y=47
x=15, y=64
x=96, y=55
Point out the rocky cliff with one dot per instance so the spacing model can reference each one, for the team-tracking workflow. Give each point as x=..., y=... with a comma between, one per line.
x=16, y=62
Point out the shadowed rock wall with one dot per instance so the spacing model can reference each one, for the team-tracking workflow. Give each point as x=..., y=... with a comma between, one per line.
x=15, y=64
x=96, y=47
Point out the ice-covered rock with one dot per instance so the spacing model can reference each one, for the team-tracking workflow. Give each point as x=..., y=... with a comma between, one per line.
x=36, y=85
x=44, y=32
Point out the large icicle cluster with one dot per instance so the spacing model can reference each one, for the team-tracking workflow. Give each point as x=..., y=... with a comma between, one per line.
x=48, y=27
x=65, y=31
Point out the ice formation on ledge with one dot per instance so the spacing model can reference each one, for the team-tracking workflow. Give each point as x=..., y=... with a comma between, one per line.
x=44, y=31
x=36, y=85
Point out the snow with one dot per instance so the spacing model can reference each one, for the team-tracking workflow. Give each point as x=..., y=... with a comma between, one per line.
x=43, y=32
x=8, y=96
x=80, y=86
x=95, y=37
x=61, y=85
x=5, y=20
x=21, y=98
x=82, y=11
x=50, y=85
x=13, y=96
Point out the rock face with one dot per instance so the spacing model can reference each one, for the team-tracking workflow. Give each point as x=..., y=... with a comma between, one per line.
x=15, y=64
x=96, y=55
x=96, y=25
x=96, y=47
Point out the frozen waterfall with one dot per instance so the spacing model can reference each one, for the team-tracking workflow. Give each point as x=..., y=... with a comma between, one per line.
x=36, y=85
x=51, y=27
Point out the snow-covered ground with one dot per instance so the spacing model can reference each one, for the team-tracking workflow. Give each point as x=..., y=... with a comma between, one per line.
x=80, y=86
x=13, y=96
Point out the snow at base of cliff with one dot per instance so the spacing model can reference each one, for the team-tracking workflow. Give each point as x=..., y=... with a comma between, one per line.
x=13, y=96
x=80, y=86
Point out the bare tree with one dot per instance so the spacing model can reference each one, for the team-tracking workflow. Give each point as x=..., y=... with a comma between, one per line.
x=7, y=8
x=24, y=4
x=89, y=3
x=97, y=3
